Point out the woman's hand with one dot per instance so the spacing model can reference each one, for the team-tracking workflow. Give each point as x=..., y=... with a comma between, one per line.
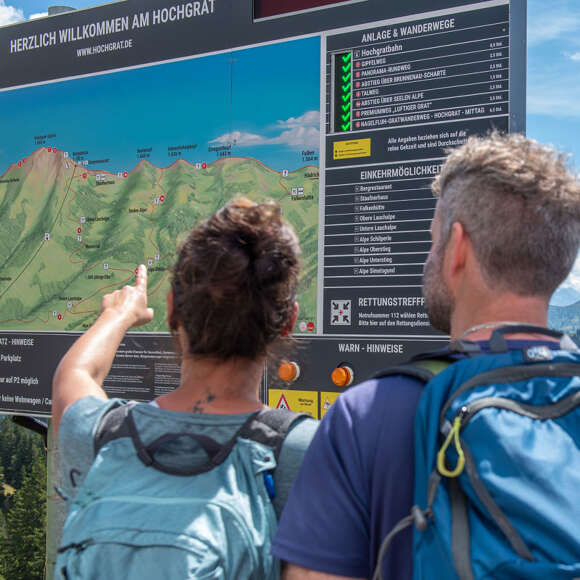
x=130, y=302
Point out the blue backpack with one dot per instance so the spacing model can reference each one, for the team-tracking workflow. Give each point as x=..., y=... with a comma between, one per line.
x=497, y=463
x=181, y=506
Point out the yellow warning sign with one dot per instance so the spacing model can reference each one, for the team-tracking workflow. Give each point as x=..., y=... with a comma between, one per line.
x=298, y=401
x=351, y=149
x=326, y=401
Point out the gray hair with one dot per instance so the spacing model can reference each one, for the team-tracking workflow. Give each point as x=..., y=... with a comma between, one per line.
x=520, y=206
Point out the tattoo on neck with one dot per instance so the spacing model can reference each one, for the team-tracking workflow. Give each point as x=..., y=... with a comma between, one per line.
x=199, y=406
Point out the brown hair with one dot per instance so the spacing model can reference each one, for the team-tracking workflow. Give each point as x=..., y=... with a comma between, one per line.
x=234, y=282
x=520, y=206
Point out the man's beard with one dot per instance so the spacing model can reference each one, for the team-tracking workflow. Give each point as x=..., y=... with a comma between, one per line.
x=439, y=302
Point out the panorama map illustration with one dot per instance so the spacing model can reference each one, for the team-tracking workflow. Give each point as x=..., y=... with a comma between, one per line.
x=102, y=173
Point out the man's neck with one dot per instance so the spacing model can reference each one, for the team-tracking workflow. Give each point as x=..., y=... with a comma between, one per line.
x=477, y=322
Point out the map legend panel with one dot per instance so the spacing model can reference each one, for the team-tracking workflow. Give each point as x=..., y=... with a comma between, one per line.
x=452, y=68
x=417, y=88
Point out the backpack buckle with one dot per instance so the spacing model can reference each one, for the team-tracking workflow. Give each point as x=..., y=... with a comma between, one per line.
x=465, y=347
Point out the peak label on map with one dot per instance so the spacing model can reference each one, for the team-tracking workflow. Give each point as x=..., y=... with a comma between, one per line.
x=42, y=139
x=177, y=150
x=144, y=153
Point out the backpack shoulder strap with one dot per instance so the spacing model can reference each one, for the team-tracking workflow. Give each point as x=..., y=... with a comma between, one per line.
x=419, y=370
x=270, y=427
x=425, y=366
x=498, y=344
x=113, y=425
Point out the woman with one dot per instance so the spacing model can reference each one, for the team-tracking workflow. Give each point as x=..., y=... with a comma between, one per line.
x=231, y=302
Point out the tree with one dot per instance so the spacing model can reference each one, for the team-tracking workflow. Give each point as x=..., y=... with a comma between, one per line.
x=23, y=547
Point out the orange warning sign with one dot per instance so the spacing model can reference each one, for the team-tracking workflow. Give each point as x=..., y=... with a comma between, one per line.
x=298, y=401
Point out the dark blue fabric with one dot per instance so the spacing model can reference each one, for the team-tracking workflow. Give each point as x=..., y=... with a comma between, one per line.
x=356, y=482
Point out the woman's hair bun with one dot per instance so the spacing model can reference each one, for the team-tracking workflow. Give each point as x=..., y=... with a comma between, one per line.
x=235, y=281
x=268, y=269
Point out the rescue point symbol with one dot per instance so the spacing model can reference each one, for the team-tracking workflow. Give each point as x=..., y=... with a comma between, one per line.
x=283, y=403
x=340, y=313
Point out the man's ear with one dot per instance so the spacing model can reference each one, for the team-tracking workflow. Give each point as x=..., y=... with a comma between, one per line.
x=292, y=322
x=457, y=250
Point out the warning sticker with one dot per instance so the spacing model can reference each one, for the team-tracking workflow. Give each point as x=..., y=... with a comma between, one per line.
x=283, y=403
x=326, y=401
x=351, y=149
x=298, y=401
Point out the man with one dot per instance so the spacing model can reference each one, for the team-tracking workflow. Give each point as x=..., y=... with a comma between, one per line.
x=506, y=232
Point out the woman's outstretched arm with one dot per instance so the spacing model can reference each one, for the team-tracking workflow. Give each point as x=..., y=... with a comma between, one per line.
x=83, y=368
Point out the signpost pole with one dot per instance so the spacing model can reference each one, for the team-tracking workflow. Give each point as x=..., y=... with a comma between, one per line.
x=55, y=506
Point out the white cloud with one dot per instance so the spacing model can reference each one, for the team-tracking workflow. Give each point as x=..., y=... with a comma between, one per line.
x=239, y=138
x=552, y=28
x=9, y=14
x=553, y=104
x=309, y=119
x=574, y=56
x=552, y=20
x=299, y=137
x=553, y=90
x=573, y=280
x=38, y=15
x=300, y=131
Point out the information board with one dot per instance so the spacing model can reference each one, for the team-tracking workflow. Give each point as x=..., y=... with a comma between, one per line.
x=401, y=95
x=126, y=124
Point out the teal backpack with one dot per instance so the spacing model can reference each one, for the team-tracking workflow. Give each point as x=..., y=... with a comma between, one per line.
x=181, y=506
x=497, y=462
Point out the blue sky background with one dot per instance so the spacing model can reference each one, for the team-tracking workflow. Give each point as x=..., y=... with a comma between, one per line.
x=179, y=103
x=553, y=90
x=553, y=100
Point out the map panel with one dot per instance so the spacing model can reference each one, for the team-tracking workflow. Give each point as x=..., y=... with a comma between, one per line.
x=107, y=172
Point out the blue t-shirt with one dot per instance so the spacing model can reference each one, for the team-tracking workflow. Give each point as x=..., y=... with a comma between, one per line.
x=356, y=482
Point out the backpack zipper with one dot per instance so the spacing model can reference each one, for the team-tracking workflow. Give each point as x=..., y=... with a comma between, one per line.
x=513, y=374
x=538, y=412
x=467, y=412
x=465, y=458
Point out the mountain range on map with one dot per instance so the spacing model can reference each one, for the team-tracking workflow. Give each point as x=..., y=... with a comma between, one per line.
x=69, y=234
